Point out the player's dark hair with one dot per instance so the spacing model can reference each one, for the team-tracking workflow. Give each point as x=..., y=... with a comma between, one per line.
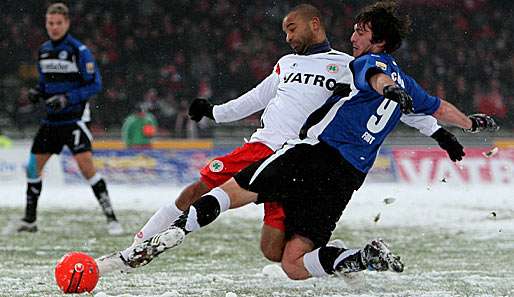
x=59, y=8
x=308, y=11
x=386, y=22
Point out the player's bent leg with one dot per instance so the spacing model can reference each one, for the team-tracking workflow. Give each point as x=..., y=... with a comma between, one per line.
x=273, y=231
x=201, y=213
x=292, y=260
x=168, y=214
x=88, y=170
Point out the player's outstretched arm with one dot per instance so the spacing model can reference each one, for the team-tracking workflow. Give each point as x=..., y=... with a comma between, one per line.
x=474, y=123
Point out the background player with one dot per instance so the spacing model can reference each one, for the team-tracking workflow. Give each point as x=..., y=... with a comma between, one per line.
x=68, y=77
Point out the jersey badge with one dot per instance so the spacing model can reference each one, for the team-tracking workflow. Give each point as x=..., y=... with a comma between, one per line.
x=63, y=55
x=216, y=166
x=90, y=67
x=381, y=65
x=332, y=68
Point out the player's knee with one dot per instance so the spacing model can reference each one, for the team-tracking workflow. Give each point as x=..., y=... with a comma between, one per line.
x=271, y=252
x=272, y=243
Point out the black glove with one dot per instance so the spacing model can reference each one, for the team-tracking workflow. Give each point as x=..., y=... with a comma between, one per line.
x=398, y=95
x=448, y=142
x=481, y=122
x=57, y=102
x=200, y=108
x=35, y=95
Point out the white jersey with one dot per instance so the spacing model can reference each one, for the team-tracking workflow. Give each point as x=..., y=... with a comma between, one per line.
x=298, y=86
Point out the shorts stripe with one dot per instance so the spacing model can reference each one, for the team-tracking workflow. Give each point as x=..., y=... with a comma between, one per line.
x=84, y=129
x=277, y=154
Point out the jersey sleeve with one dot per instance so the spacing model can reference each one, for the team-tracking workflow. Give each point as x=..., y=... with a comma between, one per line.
x=425, y=124
x=422, y=102
x=92, y=81
x=248, y=103
x=364, y=67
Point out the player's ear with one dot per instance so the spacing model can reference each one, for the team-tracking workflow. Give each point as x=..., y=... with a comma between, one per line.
x=315, y=24
x=379, y=45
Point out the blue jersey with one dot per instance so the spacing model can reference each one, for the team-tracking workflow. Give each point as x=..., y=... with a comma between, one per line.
x=68, y=67
x=357, y=125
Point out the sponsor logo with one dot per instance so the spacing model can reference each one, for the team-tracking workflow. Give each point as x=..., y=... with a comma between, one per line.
x=332, y=68
x=90, y=68
x=140, y=234
x=216, y=166
x=309, y=78
x=57, y=66
x=381, y=65
x=63, y=55
x=79, y=267
x=277, y=69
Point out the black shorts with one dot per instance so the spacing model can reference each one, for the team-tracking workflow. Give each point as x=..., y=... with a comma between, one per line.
x=313, y=183
x=51, y=139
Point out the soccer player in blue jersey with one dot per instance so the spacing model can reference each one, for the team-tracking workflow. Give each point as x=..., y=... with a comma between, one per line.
x=68, y=78
x=314, y=178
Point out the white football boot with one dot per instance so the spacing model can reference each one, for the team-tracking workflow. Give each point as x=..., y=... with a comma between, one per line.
x=112, y=263
x=114, y=228
x=18, y=225
x=144, y=252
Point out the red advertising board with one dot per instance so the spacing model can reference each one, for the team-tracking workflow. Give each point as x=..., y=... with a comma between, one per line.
x=427, y=166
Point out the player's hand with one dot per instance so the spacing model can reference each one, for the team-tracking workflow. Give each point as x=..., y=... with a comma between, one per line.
x=398, y=95
x=481, y=122
x=448, y=142
x=57, y=102
x=200, y=108
x=35, y=95
x=342, y=90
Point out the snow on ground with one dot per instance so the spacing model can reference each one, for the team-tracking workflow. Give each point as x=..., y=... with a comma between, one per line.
x=444, y=205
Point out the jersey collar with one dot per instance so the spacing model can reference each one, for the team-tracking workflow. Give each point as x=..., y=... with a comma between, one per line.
x=317, y=48
x=58, y=41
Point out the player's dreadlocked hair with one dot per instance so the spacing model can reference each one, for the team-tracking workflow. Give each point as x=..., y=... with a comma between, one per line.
x=386, y=23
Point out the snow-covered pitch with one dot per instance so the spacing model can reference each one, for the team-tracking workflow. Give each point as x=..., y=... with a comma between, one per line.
x=455, y=240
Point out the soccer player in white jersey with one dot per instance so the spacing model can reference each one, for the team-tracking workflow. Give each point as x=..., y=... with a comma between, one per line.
x=298, y=85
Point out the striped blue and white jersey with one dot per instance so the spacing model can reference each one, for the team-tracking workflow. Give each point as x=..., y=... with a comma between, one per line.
x=358, y=124
x=68, y=67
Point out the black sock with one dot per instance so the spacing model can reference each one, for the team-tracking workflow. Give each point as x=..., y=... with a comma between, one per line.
x=33, y=192
x=200, y=214
x=334, y=259
x=102, y=196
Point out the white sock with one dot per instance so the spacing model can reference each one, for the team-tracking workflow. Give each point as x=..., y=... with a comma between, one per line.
x=160, y=221
x=96, y=178
x=312, y=264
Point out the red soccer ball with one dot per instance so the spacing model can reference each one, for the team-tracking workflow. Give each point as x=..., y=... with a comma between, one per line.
x=76, y=272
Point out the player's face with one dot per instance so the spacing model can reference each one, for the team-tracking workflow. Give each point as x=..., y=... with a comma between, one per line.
x=299, y=34
x=362, y=40
x=56, y=25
